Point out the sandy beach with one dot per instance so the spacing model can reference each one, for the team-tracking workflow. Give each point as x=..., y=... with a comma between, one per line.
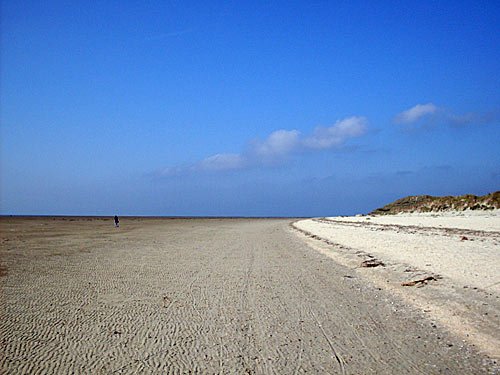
x=226, y=296
x=446, y=264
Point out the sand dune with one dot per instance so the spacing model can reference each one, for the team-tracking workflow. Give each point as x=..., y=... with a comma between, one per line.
x=203, y=296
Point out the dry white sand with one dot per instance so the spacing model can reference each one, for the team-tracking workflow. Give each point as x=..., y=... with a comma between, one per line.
x=473, y=220
x=464, y=248
x=460, y=250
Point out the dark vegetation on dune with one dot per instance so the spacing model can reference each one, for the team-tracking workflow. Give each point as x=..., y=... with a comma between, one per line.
x=428, y=203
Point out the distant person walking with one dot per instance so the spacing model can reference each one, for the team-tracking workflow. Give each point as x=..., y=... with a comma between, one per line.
x=117, y=222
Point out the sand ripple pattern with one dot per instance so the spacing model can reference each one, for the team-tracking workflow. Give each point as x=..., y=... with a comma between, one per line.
x=212, y=296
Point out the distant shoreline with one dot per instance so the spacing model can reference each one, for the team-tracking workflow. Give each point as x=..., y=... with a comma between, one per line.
x=151, y=217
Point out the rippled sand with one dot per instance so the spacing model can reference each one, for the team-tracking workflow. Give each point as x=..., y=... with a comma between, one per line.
x=203, y=296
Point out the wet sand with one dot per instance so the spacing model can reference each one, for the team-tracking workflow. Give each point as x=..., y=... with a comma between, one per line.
x=205, y=296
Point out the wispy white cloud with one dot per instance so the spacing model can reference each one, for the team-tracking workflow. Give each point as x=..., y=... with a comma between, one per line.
x=441, y=115
x=171, y=171
x=338, y=133
x=415, y=113
x=277, y=147
x=214, y=163
x=221, y=162
x=472, y=118
x=278, y=144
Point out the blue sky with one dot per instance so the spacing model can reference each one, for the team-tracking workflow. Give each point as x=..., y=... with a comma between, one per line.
x=258, y=108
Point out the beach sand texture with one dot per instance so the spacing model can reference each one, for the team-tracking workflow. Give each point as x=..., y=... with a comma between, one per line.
x=465, y=249
x=205, y=296
x=458, y=254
